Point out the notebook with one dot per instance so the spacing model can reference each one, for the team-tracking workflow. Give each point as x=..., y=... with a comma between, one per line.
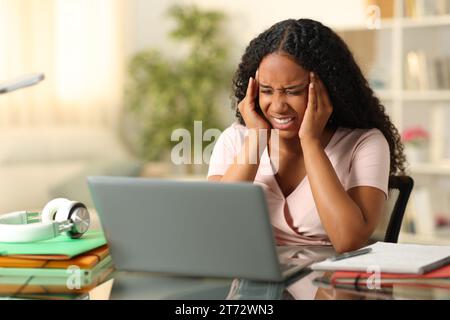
x=85, y=260
x=53, y=275
x=437, y=278
x=60, y=248
x=392, y=258
x=13, y=285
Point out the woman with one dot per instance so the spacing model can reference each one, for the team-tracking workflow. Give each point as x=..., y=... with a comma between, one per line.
x=336, y=147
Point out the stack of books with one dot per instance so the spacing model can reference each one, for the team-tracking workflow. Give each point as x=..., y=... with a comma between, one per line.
x=439, y=278
x=391, y=265
x=60, y=268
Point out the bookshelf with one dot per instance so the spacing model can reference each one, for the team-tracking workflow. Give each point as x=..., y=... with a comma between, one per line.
x=407, y=62
x=409, y=95
x=431, y=21
x=431, y=169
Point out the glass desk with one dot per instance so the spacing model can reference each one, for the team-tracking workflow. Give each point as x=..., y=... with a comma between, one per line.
x=305, y=285
x=310, y=285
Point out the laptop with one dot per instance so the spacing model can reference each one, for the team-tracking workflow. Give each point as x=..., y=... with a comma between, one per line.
x=202, y=229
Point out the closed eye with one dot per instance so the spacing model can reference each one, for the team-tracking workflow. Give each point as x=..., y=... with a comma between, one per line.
x=295, y=93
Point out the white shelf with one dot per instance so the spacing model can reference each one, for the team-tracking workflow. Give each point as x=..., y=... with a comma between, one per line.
x=431, y=169
x=385, y=94
x=430, y=95
x=409, y=95
x=442, y=237
x=407, y=23
x=426, y=21
x=386, y=24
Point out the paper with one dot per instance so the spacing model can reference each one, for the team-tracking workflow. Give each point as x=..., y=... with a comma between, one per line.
x=392, y=258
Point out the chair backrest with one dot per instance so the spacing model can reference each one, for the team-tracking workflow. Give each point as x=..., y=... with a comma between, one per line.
x=404, y=185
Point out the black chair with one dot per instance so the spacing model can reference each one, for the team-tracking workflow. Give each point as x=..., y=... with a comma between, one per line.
x=404, y=185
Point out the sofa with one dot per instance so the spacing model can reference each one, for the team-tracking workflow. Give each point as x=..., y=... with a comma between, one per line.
x=40, y=164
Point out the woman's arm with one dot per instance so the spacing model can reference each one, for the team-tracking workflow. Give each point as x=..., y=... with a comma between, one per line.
x=348, y=218
x=246, y=163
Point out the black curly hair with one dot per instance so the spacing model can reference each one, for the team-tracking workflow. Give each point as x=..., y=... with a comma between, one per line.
x=319, y=49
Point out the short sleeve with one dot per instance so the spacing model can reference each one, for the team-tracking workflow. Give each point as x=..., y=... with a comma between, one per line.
x=370, y=164
x=224, y=152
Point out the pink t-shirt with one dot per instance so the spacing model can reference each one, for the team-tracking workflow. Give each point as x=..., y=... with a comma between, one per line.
x=360, y=157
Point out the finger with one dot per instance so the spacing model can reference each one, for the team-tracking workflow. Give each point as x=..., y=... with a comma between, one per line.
x=319, y=86
x=250, y=96
x=313, y=91
x=256, y=84
x=249, y=87
x=318, y=92
x=322, y=92
x=312, y=99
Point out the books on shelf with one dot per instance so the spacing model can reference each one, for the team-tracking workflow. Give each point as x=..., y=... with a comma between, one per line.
x=423, y=72
x=386, y=7
x=424, y=8
x=442, y=69
x=416, y=71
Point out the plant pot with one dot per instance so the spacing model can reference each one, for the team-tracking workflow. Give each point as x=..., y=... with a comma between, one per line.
x=416, y=155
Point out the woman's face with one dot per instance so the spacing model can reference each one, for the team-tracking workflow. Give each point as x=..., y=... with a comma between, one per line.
x=283, y=93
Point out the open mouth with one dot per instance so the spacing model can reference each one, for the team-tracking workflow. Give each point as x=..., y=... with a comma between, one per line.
x=283, y=123
x=283, y=120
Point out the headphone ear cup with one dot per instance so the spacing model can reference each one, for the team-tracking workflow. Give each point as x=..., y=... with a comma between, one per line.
x=78, y=214
x=64, y=210
x=52, y=208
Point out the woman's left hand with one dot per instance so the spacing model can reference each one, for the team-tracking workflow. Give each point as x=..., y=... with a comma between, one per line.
x=318, y=111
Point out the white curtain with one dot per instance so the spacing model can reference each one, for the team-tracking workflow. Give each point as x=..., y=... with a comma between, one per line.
x=78, y=44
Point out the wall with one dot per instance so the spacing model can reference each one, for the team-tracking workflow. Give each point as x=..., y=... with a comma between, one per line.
x=147, y=26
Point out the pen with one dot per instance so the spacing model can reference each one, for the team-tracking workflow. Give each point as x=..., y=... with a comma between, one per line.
x=351, y=254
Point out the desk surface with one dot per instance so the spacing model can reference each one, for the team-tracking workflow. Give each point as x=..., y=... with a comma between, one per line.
x=139, y=286
x=307, y=285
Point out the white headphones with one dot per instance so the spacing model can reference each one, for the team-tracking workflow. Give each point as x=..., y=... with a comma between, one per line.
x=58, y=216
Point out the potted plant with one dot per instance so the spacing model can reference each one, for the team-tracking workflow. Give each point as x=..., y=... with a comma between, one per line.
x=163, y=95
x=416, y=140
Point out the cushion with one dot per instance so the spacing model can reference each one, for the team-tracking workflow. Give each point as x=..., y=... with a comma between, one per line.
x=51, y=144
x=76, y=188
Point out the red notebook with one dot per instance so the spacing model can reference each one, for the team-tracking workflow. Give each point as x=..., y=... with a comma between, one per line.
x=437, y=278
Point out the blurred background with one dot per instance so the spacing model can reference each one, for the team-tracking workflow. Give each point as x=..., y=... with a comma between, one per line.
x=121, y=75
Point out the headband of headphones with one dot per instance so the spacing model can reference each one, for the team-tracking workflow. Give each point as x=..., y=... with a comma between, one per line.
x=59, y=215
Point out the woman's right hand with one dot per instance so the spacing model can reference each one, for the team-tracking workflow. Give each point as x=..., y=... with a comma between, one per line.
x=247, y=107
